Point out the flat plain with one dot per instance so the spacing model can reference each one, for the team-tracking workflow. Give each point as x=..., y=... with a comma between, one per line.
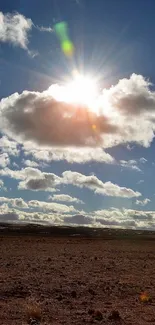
x=77, y=280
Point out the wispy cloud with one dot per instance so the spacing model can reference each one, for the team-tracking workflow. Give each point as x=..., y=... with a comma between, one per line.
x=130, y=164
x=65, y=198
x=143, y=202
x=44, y=29
x=140, y=181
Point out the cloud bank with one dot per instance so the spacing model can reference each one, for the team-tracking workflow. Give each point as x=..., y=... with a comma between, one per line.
x=61, y=215
x=36, y=180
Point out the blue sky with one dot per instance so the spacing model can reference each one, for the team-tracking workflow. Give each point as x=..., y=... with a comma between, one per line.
x=49, y=172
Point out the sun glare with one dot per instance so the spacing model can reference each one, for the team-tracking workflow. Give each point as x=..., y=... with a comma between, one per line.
x=81, y=90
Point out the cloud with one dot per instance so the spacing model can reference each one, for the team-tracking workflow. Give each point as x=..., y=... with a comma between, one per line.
x=2, y=186
x=17, y=202
x=143, y=202
x=95, y=184
x=60, y=214
x=79, y=220
x=14, y=29
x=44, y=29
x=71, y=155
x=65, y=198
x=130, y=164
x=46, y=182
x=4, y=160
x=52, y=206
x=34, y=179
x=38, y=117
x=30, y=163
x=143, y=160
x=42, y=205
x=125, y=218
x=9, y=146
x=140, y=181
x=22, y=174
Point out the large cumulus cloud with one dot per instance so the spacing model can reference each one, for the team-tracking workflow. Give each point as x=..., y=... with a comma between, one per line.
x=38, y=117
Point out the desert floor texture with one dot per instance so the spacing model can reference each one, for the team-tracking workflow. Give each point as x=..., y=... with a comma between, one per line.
x=76, y=280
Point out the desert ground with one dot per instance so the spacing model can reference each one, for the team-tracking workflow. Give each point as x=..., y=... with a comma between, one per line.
x=76, y=280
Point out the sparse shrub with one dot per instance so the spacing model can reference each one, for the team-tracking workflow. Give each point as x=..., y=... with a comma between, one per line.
x=33, y=314
x=144, y=297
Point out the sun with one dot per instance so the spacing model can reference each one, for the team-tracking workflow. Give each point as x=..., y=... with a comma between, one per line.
x=80, y=90
x=84, y=91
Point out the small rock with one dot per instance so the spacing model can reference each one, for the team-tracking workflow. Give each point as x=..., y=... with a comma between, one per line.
x=49, y=259
x=91, y=291
x=114, y=315
x=59, y=298
x=73, y=294
x=91, y=311
x=8, y=264
x=98, y=315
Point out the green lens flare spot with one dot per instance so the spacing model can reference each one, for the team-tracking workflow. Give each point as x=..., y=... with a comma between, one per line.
x=61, y=30
x=67, y=48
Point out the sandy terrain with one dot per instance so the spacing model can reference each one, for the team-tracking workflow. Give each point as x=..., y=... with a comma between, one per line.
x=72, y=278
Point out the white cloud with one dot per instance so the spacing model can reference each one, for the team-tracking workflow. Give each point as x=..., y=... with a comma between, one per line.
x=44, y=29
x=65, y=198
x=42, y=205
x=60, y=214
x=43, y=182
x=2, y=187
x=71, y=155
x=14, y=29
x=143, y=160
x=9, y=146
x=34, y=179
x=52, y=206
x=4, y=160
x=95, y=184
x=143, y=202
x=17, y=202
x=22, y=174
x=30, y=163
x=125, y=218
x=130, y=164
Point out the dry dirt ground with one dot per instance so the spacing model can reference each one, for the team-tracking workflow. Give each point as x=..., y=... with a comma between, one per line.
x=72, y=278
